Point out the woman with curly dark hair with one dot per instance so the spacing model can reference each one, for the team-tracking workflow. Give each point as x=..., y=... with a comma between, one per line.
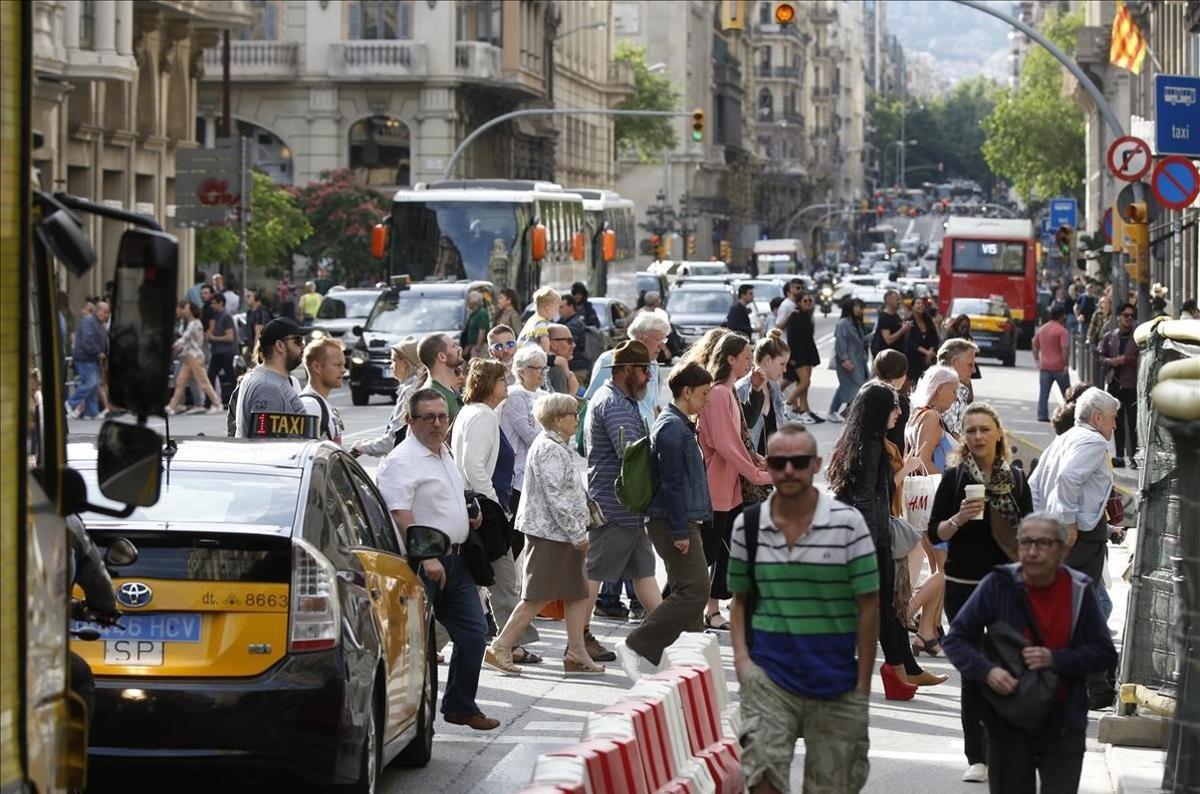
x=860, y=474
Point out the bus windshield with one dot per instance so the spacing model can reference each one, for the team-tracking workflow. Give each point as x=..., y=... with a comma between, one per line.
x=453, y=239
x=988, y=256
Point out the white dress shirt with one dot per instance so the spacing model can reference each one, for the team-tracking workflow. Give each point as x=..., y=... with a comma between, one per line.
x=428, y=484
x=1074, y=477
x=476, y=447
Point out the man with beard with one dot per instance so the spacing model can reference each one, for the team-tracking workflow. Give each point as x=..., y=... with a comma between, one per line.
x=268, y=388
x=442, y=356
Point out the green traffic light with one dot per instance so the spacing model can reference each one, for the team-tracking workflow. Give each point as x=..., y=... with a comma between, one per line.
x=697, y=135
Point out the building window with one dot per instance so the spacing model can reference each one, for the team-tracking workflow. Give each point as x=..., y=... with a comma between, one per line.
x=766, y=105
x=266, y=22
x=380, y=153
x=765, y=12
x=381, y=19
x=87, y=26
x=479, y=21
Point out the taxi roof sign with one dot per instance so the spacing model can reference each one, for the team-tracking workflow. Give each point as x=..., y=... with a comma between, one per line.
x=277, y=424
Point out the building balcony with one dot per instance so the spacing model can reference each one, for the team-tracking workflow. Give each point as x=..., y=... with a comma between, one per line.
x=621, y=84
x=822, y=14
x=727, y=72
x=477, y=60
x=255, y=60
x=824, y=94
x=772, y=30
x=84, y=40
x=768, y=72
x=378, y=60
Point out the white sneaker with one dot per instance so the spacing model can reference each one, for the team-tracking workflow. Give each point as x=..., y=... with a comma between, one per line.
x=834, y=417
x=634, y=664
x=976, y=773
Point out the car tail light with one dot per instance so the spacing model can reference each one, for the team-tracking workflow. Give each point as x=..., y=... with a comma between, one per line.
x=1005, y=327
x=315, y=613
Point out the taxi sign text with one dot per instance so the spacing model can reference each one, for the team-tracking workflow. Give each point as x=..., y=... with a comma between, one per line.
x=270, y=424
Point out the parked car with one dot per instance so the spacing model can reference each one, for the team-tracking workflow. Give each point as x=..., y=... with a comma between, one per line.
x=992, y=327
x=343, y=309
x=697, y=307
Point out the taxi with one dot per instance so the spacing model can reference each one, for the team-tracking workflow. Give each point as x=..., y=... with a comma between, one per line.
x=992, y=326
x=272, y=618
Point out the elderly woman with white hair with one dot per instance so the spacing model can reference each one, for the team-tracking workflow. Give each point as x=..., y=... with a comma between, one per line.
x=554, y=517
x=652, y=330
x=516, y=413
x=926, y=434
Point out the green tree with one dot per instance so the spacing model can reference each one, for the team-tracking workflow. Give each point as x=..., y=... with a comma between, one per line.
x=1035, y=136
x=647, y=136
x=342, y=214
x=277, y=228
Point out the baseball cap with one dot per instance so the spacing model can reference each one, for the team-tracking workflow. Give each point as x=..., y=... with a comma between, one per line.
x=279, y=328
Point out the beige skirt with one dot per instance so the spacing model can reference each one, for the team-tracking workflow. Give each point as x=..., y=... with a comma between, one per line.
x=553, y=570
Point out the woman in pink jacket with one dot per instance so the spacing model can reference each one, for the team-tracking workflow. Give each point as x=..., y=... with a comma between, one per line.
x=727, y=461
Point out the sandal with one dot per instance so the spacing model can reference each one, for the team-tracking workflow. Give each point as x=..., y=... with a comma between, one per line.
x=522, y=656
x=722, y=626
x=573, y=665
x=929, y=646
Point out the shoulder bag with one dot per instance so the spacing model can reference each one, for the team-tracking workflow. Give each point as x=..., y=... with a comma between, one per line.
x=1037, y=690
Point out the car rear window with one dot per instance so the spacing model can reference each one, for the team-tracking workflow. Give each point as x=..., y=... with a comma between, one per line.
x=204, y=557
x=214, y=497
x=700, y=301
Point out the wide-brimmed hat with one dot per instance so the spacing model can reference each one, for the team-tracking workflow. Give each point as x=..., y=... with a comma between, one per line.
x=407, y=347
x=631, y=353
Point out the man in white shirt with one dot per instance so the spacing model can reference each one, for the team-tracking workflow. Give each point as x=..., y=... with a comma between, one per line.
x=325, y=361
x=232, y=301
x=422, y=485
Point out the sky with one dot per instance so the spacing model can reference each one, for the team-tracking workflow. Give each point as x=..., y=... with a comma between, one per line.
x=963, y=42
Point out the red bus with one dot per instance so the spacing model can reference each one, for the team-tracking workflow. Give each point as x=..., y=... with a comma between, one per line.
x=982, y=257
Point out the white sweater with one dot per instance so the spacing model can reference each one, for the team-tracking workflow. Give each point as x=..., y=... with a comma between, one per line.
x=475, y=443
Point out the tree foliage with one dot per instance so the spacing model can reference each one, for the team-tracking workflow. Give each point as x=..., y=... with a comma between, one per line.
x=646, y=136
x=1035, y=136
x=342, y=214
x=948, y=130
x=276, y=230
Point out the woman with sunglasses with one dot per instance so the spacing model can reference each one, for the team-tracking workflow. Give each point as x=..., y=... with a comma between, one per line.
x=727, y=462
x=860, y=474
x=980, y=533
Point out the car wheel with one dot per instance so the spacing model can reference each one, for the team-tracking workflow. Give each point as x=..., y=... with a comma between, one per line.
x=420, y=749
x=368, y=767
x=359, y=397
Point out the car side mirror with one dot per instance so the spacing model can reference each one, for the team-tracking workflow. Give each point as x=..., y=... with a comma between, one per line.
x=129, y=463
x=379, y=240
x=143, y=321
x=426, y=543
x=357, y=330
x=120, y=551
x=537, y=243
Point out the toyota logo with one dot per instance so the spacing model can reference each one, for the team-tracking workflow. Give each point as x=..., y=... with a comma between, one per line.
x=134, y=594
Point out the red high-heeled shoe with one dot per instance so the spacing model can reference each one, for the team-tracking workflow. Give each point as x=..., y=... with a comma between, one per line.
x=893, y=687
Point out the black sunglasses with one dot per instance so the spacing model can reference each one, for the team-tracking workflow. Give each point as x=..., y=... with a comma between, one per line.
x=1129, y=316
x=780, y=462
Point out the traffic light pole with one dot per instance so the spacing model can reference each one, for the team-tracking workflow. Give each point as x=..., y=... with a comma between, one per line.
x=448, y=172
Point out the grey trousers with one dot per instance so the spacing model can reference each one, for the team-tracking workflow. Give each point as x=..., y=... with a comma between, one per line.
x=505, y=594
x=683, y=609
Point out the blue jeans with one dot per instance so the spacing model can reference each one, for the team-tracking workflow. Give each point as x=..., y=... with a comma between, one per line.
x=610, y=594
x=848, y=385
x=87, y=390
x=456, y=606
x=1046, y=379
x=1106, y=604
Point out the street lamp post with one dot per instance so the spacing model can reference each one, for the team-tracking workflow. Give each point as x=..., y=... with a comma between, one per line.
x=901, y=144
x=599, y=25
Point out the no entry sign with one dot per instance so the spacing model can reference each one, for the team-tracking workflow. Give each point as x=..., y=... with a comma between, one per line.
x=1129, y=158
x=1175, y=182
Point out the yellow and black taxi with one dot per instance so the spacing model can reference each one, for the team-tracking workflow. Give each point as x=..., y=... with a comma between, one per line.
x=992, y=326
x=272, y=619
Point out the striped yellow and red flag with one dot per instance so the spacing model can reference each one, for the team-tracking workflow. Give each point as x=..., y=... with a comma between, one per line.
x=1128, y=47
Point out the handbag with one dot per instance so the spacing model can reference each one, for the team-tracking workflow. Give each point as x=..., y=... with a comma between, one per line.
x=1114, y=508
x=919, y=490
x=476, y=559
x=752, y=493
x=495, y=530
x=905, y=537
x=596, y=517
x=1037, y=690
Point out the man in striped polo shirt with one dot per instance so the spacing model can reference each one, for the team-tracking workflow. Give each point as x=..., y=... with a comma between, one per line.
x=804, y=626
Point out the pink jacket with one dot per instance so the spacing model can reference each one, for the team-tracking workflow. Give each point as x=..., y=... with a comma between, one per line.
x=725, y=455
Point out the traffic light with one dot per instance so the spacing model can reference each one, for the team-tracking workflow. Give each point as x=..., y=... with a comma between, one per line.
x=656, y=247
x=691, y=245
x=698, y=125
x=1136, y=243
x=726, y=251
x=785, y=13
x=1064, y=239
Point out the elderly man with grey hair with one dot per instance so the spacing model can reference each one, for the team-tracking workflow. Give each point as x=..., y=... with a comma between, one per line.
x=959, y=355
x=1072, y=483
x=1039, y=597
x=651, y=329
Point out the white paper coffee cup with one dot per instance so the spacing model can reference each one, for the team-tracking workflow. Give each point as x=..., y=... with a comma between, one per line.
x=976, y=491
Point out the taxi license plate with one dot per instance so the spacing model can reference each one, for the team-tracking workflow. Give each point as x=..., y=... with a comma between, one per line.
x=133, y=653
x=151, y=627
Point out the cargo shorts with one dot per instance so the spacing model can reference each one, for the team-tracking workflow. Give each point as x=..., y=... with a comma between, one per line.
x=834, y=730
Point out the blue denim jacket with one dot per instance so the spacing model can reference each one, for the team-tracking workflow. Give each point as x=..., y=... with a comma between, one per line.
x=756, y=429
x=678, y=465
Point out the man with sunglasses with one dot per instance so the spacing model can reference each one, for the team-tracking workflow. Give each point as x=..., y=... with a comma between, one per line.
x=805, y=619
x=502, y=346
x=269, y=388
x=1054, y=606
x=1119, y=363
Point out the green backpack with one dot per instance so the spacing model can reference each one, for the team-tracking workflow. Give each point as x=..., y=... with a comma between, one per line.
x=634, y=487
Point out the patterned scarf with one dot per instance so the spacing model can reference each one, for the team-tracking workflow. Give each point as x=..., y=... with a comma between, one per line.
x=1006, y=515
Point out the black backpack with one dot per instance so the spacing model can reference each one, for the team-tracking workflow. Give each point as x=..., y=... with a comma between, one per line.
x=750, y=520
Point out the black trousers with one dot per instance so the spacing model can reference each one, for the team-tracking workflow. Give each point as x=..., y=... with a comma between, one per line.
x=893, y=636
x=1017, y=759
x=1125, y=434
x=222, y=363
x=716, y=550
x=973, y=706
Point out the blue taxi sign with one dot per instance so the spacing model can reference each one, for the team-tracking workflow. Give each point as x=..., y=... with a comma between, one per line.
x=1063, y=212
x=276, y=424
x=1177, y=114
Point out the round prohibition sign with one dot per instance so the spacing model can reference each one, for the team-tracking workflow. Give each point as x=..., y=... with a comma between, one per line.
x=1175, y=183
x=1129, y=158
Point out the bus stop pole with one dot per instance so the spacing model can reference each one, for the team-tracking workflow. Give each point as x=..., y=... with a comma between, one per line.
x=448, y=172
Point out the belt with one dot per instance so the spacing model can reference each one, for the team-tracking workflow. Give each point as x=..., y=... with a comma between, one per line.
x=456, y=549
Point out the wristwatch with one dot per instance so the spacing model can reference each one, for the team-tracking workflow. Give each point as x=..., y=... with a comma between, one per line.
x=953, y=523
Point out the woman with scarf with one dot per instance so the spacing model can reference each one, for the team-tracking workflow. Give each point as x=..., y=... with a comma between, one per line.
x=981, y=534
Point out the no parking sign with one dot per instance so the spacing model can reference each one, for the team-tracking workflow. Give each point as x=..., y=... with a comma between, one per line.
x=1175, y=182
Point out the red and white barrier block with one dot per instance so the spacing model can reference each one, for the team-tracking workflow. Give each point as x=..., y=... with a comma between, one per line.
x=600, y=766
x=720, y=754
x=698, y=648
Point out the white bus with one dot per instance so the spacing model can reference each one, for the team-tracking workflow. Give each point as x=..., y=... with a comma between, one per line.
x=779, y=256
x=518, y=234
x=603, y=211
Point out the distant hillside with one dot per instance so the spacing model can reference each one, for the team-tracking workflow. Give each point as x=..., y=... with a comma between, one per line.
x=963, y=42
